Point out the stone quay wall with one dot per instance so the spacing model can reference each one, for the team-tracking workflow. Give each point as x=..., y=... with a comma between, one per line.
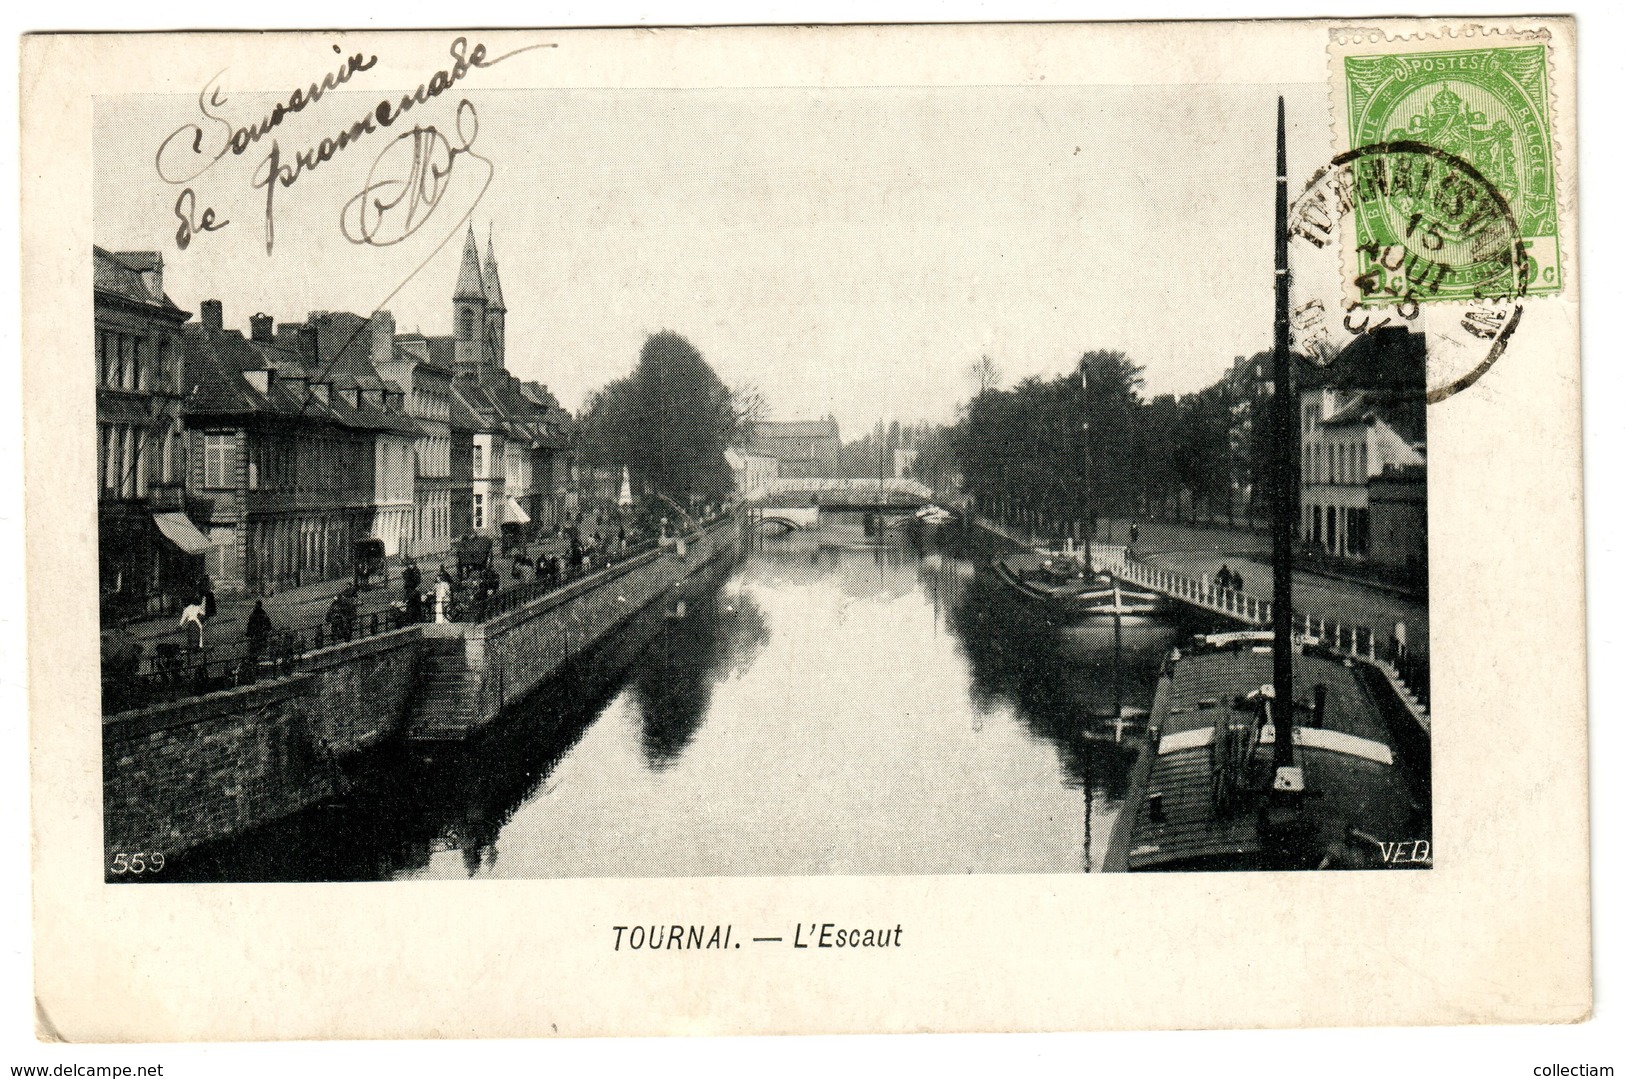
x=188, y=772
x=184, y=773
x=522, y=649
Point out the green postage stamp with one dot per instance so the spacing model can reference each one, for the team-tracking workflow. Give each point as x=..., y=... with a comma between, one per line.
x=1452, y=169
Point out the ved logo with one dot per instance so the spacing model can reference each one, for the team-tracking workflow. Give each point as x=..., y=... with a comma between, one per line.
x=1406, y=852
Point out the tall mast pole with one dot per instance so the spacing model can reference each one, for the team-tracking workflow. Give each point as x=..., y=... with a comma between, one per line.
x=1088, y=482
x=1281, y=409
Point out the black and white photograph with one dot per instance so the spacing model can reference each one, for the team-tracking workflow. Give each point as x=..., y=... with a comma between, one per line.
x=604, y=463
x=816, y=506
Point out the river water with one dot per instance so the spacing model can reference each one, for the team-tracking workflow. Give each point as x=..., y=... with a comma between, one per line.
x=825, y=706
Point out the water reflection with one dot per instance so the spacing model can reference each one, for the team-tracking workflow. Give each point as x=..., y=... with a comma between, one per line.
x=719, y=637
x=831, y=705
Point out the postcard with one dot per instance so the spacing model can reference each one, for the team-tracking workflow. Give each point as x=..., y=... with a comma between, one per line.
x=1038, y=518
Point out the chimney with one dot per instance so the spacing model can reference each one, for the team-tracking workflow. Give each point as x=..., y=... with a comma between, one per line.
x=213, y=319
x=308, y=345
x=383, y=337
x=260, y=328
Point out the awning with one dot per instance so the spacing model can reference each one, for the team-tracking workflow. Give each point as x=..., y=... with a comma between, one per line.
x=516, y=513
x=179, y=530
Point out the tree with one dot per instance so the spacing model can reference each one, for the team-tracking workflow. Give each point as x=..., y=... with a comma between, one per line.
x=986, y=374
x=668, y=422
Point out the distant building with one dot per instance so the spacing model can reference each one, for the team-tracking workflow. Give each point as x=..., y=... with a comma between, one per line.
x=521, y=451
x=1399, y=523
x=1365, y=418
x=752, y=472
x=805, y=449
x=1250, y=385
x=150, y=552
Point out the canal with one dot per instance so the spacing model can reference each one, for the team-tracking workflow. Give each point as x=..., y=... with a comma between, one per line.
x=827, y=705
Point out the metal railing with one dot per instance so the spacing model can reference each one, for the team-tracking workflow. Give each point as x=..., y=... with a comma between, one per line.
x=1409, y=667
x=169, y=671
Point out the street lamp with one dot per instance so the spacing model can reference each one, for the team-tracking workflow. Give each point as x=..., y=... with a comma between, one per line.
x=1088, y=493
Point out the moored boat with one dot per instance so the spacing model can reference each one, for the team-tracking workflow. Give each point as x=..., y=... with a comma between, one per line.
x=1237, y=771
x=1069, y=588
x=1203, y=794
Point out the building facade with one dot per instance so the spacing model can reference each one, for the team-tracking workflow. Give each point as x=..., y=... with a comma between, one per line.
x=150, y=552
x=295, y=458
x=752, y=472
x=406, y=361
x=805, y=449
x=1346, y=440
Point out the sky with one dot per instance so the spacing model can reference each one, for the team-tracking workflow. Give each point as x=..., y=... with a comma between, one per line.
x=848, y=251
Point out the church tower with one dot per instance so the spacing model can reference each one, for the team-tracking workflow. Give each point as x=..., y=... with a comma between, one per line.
x=469, y=306
x=496, y=337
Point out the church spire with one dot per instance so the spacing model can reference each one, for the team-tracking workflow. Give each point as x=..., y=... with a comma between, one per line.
x=493, y=285
x=470, y=283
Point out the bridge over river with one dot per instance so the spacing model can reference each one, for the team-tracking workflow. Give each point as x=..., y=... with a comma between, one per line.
x=791, y=504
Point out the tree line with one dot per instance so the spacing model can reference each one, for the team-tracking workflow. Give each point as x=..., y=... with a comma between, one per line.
x=1087, y=444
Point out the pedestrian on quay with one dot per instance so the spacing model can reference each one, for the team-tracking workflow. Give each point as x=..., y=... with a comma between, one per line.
x=412, y=590
x=205, y=596
x=442, y=596
x=1133, y=533
x=1235, y=581
x=259, y=630
x=1224, y=578
x=192, y=615
x=620, y=542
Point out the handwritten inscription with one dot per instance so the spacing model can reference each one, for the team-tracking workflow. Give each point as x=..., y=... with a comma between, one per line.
x=407, y=181
x=173, y=154
x=190, y=223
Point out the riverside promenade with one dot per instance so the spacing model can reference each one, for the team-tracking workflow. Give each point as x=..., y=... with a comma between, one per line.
x=197, y=767
x=1200, y=551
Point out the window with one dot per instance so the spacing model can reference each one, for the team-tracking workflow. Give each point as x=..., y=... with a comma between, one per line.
x=479, y=511
x=104, y=451
x=468, y=323
x=130, y=479
x=217, y=460
x=172, y=456
x=479, y=459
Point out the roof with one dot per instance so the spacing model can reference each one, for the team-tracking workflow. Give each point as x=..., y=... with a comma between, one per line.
x=826, y=428
x=470, y=280
x=493, y=285
x=462, y=417
x=120, y=275
x=215, y=366
x=1405, y=414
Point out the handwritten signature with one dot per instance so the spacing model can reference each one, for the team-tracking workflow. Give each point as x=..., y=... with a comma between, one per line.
x=407, y=181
